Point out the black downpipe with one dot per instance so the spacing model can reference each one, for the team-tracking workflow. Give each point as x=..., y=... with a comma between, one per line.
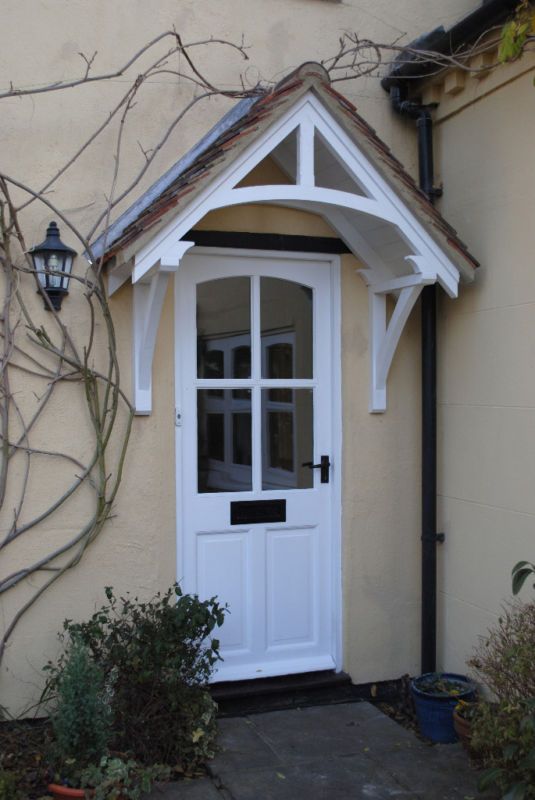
x=424, y=124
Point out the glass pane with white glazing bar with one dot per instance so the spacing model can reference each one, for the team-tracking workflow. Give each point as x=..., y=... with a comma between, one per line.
x=255, y=334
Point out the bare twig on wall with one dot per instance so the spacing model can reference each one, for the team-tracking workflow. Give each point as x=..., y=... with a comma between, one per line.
x=42, y=357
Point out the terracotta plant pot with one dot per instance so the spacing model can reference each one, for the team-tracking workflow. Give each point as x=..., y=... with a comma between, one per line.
x=60, y=792
x=463, y=729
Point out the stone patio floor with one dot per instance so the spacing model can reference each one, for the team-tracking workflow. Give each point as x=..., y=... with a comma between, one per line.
x=335, y=752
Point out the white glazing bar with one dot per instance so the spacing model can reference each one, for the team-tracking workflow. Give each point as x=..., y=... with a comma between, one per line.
x=243, y=383
x=256, y=371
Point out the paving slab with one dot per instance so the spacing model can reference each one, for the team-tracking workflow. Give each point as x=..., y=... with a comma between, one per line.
x=339, y=752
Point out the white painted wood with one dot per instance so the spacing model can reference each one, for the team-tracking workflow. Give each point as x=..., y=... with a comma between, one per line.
x=291, y=579
x=117, y=276
x=148, y=299
x=394, y=285
x=393, y=208
x=343, y=210
x=281, y=580
x=308, y=196
x=305, y=153
x=384, y=339
x=357, y=243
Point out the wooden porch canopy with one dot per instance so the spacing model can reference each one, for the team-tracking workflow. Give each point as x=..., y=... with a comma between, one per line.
x=336, y=166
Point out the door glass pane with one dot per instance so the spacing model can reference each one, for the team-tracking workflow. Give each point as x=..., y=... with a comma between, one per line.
x=286, y=329
x=223, y=324
x=224, y=444
x=287, y=439
x=241, y=367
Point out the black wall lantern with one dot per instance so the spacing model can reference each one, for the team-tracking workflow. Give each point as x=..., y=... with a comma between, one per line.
x=52, y=260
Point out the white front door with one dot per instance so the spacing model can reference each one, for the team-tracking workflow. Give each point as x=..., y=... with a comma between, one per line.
x=258, y=522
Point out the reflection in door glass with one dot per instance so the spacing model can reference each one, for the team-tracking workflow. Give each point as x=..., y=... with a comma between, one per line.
x=223, y=324
x=224, y=444
x=241, y=367
x=287, y=440
x=286, y=329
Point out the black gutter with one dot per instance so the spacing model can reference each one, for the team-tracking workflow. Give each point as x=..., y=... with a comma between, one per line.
x=447, y=42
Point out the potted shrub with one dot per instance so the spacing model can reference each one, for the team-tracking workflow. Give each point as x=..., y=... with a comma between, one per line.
x=158, y=655
x=435, y=696
x=80, y=717
x=133, y=678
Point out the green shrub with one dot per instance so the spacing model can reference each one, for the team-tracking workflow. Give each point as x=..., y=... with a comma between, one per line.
x=505, y=660
x=503, y=732
x=81, y=712
x=157, y=656
x=504, y=737
x=8, y=785
x=120, y=778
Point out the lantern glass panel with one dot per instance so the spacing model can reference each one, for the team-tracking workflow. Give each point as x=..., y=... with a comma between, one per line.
x=54, y=265
x=39, y=263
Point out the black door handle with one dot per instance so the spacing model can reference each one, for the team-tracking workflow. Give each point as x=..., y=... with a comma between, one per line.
x=323, y=466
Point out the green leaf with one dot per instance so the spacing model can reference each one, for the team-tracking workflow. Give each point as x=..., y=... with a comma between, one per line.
x=517, y=792
x=489, y=778
x=520, y=573
x=528, y=762
x=510, y=750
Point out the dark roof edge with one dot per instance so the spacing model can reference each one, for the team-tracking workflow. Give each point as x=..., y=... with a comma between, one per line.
x=490, y=13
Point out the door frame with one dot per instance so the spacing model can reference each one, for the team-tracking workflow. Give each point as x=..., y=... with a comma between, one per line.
x=333, y=264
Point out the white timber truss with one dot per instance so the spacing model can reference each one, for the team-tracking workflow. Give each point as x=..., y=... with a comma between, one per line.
x=364, y=201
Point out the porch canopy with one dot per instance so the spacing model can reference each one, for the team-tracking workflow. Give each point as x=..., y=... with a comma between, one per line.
x=336, y=166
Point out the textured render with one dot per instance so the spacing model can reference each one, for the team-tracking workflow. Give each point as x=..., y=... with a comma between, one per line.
x=137, y=550
x=486, y=378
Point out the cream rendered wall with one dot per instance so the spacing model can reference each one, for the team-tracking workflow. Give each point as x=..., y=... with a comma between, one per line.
x=487, y=355
x=40, y=44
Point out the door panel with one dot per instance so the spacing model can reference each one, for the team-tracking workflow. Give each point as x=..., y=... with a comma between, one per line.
x=291, y=556
x=254, y=362
x=222, y=570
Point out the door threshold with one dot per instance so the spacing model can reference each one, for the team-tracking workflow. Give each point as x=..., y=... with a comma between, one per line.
x=237, y=698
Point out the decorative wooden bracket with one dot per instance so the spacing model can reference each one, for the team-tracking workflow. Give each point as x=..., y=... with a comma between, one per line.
x=149, y=295
x=384, y=338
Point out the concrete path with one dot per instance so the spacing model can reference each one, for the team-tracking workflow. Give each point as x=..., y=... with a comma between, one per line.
x=338, y=752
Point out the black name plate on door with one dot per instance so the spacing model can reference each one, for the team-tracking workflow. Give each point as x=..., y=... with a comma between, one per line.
x=245, y=512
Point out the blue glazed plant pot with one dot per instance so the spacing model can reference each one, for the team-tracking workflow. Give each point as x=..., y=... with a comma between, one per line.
x=435, y=695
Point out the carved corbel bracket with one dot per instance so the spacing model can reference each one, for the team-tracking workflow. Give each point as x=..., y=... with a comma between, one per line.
x=384, y=338
x=149, y=294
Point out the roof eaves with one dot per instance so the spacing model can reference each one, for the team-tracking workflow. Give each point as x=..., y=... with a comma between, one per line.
x=447, y=41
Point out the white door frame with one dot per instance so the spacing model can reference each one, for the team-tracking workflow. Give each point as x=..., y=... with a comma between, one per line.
x=333, y=263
